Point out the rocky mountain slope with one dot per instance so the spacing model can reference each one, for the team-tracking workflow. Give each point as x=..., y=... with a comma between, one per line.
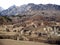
x=29, y=8
x=30, y=12
x=1, y=9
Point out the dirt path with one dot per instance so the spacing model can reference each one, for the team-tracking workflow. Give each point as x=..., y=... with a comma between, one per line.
x=14, y=42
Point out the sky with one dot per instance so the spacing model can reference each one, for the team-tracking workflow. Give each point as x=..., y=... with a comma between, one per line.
x=7, y=3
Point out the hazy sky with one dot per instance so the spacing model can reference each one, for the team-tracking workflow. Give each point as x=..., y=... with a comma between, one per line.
x=7, y=3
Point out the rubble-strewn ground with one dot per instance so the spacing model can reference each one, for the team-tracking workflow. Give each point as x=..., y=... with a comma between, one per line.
x=24, y=28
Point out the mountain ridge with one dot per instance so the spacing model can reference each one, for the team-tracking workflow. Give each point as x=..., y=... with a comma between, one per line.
x=15, y=10
x=1, y=9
